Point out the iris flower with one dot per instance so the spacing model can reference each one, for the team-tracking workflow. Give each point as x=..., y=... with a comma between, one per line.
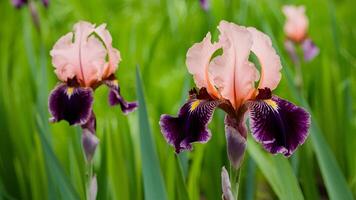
x=231, y=82
x=296, y=30
x=84, y=60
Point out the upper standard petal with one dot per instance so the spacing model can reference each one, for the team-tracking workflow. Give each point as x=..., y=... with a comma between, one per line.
x=113, y=54
x=268, y=59
x=81, y=54
x=232, y=73
x=198, y=59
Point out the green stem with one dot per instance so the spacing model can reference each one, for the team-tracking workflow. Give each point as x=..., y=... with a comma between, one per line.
x=235, y=180
x=89, y=178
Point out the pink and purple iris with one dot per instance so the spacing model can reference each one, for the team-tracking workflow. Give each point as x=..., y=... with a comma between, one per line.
x=296, y=31
x=84, y=60
x=232, y=83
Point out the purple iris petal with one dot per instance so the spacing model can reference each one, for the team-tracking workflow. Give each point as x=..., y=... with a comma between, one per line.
x=116, y=98
x=310, y=50
x=18, y=3
x=190, y=125
x=204, y=4
x=236, y=142
x=278, y=124
x=290, y=48
x=73, y=104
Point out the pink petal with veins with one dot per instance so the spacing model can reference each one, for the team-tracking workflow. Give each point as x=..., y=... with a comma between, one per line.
x=114, y=54
x=198, y=58
x=80, y=54
x=233, y=74
x=268, y=59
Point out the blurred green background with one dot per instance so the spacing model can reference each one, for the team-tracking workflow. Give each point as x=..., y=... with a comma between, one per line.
x=39, y=160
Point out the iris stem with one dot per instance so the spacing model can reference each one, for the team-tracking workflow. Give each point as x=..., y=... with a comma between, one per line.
x=89, y=178
x=235, y=180
x=298, y=77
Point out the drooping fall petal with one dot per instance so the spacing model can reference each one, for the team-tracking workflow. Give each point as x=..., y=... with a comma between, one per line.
x=310, y=50
x=81, y=54
x=198, y=58
x=73, y=104
x=296, y=26
x=190, y=126
x=115, y=97
x=233, y=74
x=268, y=59
x=278, y=124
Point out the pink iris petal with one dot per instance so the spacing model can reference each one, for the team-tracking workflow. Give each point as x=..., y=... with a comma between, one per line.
x=233, y=74
x=268, y=58
x=82, y=54
x=296, y=26
x=198, y=58
x=114, y=54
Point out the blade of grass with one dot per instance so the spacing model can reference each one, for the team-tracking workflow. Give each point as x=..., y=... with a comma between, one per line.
x=182, y=189
x=152, y=177
x=278, y=172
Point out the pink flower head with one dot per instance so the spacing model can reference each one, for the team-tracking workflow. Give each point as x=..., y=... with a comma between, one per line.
x=231, y=75
x=84, y=60
x=85, y=54
x=296, y=26
x=233, y=83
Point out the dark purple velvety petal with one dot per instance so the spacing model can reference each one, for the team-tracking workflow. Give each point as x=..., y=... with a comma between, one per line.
x=18, y=3
x=115, y=97
x=278, y=124
x=190, y=125
x=73, y=104
x=236, y=142
x=310, y=50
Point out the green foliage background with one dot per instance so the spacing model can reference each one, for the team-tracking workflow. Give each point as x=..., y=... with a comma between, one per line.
x=39, y=160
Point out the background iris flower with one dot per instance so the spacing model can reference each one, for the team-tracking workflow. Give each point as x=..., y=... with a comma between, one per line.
x=84, y=60
x=227, y=81
x=296, y=30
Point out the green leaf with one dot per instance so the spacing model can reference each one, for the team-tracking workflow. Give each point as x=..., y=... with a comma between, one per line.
x=181, y=186
x=278, y=172
x=152, y=178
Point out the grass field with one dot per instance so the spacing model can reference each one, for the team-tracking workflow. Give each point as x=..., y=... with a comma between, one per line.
x=40, y=160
